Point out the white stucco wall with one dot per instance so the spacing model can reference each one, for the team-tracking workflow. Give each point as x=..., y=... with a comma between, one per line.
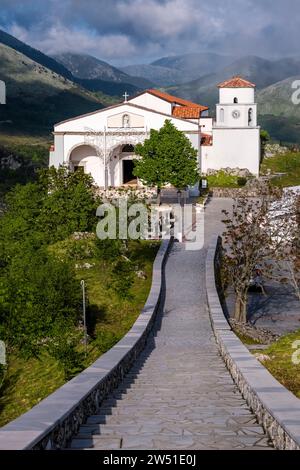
x=244, y=95
x=206, y=124
x=97, y=121
x=241, y=121
x=152, y=102
x=70, y=135
x=117, y=120
x=233, y=148
x=86, y=156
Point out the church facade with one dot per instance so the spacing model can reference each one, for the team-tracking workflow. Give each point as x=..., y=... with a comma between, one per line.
x=102, y=143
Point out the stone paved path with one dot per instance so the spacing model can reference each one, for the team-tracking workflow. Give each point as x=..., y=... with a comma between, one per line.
x=179, y=395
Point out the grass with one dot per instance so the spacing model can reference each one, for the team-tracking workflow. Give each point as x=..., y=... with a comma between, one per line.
x=247, y=339
x=224, y=180
x=11, y=140
x=26, y=383
x=281, y=365
x=289, y=164
x=29, y=153
x=110, y=317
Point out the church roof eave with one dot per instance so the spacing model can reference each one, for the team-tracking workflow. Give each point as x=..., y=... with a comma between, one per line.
x=236, y=82
x=171, y=99
x=120, y=105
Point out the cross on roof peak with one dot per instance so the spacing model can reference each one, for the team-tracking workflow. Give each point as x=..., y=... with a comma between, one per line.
x=126, y=96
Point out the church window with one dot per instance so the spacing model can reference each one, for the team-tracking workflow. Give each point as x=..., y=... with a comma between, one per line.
x=126, y=120
x=235, y=100
x=250, y=117
x=222, y=115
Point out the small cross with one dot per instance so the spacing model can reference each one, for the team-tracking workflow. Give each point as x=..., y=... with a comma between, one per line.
x=126, y=96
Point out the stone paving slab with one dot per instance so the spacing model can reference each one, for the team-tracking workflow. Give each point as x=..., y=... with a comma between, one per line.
x=179, y=394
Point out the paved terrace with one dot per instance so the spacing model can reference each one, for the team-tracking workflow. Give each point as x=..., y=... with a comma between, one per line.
x=179, y=394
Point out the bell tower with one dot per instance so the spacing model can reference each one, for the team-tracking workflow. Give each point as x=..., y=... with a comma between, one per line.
x=237, y=107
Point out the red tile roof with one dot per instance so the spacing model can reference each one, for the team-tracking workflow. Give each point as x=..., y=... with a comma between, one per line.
x=236, y=82
x=185, y=110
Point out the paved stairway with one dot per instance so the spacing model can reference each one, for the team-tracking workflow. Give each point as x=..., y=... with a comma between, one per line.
x=179, y=394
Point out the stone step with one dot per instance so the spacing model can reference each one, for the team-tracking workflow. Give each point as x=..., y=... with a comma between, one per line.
x=167, y=400
x=138, y=410
x=176, y=427
x=193, y=398
x=170, y=441
x=178, y=394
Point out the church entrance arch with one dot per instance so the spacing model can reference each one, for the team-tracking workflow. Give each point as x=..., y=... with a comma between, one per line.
x=85, y=158
x=127, y=162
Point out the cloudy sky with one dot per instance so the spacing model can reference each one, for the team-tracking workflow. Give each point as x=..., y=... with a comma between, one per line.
x=139, y=31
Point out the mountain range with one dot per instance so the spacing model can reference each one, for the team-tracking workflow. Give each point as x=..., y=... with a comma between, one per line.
x=86, y=67
x=180, y=69
x=42, y=90
x=260, y=71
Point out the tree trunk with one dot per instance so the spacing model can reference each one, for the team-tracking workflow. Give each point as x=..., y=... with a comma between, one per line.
x=179, y=196
x=159, y=196
x=240, y=311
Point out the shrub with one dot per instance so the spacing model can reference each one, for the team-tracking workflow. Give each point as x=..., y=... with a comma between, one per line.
x=109, y=249
x=38, y=292
x=105, y=340
x=241, y=181
x=81, y=249
x=223, y=179
x=2, y=374
x=123, y=278
x=63, y=346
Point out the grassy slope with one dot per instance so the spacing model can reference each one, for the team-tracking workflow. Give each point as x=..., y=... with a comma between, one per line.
x=37, y=97
x=281, y=365
x=288, y=164
x=29, y=381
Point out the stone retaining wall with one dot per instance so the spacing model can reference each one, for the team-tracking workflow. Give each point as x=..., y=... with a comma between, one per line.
x=52, y=423
x=277, y=409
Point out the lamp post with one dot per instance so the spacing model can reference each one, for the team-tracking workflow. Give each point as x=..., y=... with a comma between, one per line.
x=84, y=314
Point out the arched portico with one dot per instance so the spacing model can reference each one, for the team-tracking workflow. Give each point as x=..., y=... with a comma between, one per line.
x=121, y=165
x=86, y=158
x=109, y=158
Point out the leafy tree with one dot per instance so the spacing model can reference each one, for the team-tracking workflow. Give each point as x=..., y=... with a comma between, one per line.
x=264, y=139
x=63, y=346
x=249, y=242
x=70, y=205
x=37, y=294
x=123, y=278
x=57, y=205
x=167, y=157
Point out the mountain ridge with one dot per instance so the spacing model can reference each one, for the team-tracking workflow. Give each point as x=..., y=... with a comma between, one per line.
x=86, y=67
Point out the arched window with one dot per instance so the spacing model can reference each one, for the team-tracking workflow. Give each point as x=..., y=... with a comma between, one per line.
x=222, y=116
x=235, y=100
x=128, y=148
x=126, y=120
x=250, y=117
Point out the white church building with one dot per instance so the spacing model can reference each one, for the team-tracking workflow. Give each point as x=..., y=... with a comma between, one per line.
x=102, y=142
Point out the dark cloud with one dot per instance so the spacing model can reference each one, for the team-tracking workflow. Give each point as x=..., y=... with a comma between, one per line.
x=141, y=30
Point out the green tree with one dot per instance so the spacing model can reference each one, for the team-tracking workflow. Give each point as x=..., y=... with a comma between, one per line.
x=57, y=205
x=39, y=294
x=248, y=243
x=167, y=157
x=70, y=205
x=264, y=139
